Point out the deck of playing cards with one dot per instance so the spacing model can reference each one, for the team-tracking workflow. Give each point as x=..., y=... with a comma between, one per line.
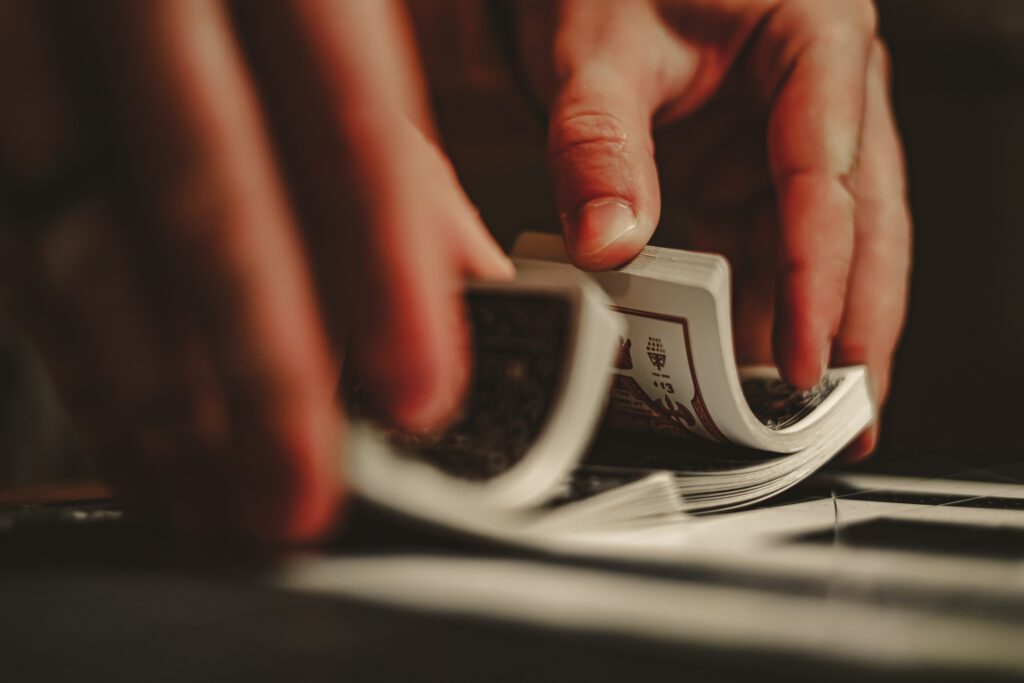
x=607, y=403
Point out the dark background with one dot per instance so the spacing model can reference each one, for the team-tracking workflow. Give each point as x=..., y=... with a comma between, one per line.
x=959, y=95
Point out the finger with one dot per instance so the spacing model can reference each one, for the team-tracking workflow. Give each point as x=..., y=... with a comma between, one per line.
x=863, y=446
x=305, y=56
x=77, y=291
x=810, y=61
x=480, y=255
x=411, y=345
x=400, y=246
x=135, y=389
x=877, y=295
x=206, y=181
x=599, y=136
x=602, y=158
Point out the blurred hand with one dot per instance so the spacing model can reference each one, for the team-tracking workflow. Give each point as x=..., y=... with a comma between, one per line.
x=200, y=208
x=775, y=133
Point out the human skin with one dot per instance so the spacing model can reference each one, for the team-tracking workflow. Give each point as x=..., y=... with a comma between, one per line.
x=257, y=193
x=774, y=130
x=192, y=305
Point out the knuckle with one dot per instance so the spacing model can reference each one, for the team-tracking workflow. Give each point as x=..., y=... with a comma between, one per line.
x=594, y=132
x=852, y=22
x=190, y=200
x=839, y=36
x=881, y=58
x=852, y=350
x=865, y=15
x=880, y=49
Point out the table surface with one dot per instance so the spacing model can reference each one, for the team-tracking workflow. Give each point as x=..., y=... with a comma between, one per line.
x=852, y=577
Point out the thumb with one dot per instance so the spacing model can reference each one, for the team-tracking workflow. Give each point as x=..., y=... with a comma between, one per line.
x=602, y=158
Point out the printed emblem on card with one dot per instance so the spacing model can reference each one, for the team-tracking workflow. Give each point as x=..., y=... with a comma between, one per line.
x=656, y=352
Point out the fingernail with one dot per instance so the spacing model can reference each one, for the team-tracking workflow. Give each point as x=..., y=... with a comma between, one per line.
x=602, y=222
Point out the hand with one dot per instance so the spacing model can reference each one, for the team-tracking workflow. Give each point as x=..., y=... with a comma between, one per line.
x=776, y=136
x=200, y=209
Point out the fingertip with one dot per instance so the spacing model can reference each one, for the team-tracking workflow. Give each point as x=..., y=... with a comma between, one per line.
x=494, y=266
x=289, y=489
x=416, y=370
x=482, y=257
x=861, y=448
x=604, y=233
x=292, y=516
x=424, y=404
x=313, y=517
x=504, y=268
